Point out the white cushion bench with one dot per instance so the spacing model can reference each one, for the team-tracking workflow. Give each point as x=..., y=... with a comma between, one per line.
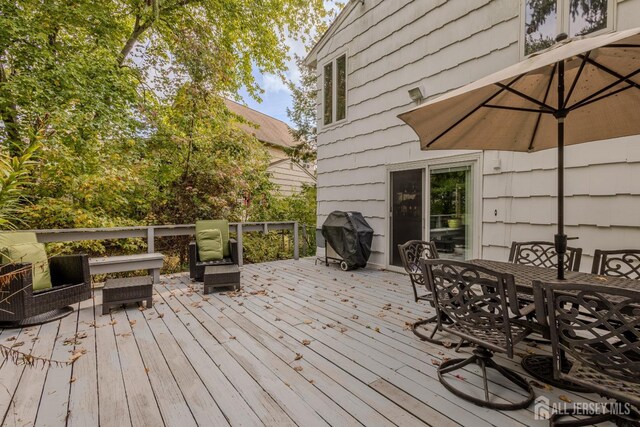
x=116, y=264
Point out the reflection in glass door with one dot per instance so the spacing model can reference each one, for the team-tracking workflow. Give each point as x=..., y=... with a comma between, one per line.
x=451, y=211
x=406, y=210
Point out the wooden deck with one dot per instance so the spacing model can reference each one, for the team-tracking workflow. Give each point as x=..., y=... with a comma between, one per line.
x=299, y=345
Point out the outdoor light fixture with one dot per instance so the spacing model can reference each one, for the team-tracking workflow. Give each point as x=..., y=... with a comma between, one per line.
x=416, y=93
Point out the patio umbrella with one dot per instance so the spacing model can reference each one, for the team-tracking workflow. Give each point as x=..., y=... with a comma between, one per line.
x=576, y=91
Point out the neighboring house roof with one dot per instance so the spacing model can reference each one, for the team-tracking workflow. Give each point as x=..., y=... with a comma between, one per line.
x=269, y=129
x=312, y=57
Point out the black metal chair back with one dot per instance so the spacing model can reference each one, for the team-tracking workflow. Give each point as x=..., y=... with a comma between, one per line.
x=543, y=254
x=411, y=253
x=599, y=328
x=476, y=299
x=619, y=263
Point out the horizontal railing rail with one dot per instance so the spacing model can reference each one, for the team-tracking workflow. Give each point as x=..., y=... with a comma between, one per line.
x=150, y=233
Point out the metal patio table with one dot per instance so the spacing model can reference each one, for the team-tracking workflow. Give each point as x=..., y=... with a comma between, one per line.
x=541, y=366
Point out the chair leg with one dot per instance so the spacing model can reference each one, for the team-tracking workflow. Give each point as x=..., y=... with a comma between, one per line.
x=430, y=338
x=483, y=358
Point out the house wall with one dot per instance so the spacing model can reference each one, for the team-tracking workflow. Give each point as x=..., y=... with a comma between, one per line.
x=287, y=175
x=393, y=46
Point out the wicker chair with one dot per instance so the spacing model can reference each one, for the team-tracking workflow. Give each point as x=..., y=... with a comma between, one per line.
x=543, y=254
x=619, y=263
x=480, y=302
x=197, y=267
x=21, y=306
x=411, y=253
x=603, y=344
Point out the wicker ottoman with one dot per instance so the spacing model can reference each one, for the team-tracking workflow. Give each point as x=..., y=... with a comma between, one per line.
x=129, y=289
x=218, y=276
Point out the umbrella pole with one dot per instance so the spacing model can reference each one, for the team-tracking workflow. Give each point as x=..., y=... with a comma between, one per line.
x=561, y=113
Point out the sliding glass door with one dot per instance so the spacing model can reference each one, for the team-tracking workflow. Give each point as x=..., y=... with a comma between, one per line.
x=451, y=210
x=406, y=210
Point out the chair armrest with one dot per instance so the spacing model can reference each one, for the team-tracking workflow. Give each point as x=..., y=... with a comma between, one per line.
x=69, y=270
x=527, y=309
x=233, y=247
x=18, y=278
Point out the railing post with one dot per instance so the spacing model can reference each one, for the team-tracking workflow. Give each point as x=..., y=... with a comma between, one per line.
x=239, y=239
x=304, y=239
x=296, y=250
x=151, y=237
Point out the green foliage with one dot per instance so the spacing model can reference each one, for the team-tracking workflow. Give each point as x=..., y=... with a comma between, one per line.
x=303, y=114
x=14, y=178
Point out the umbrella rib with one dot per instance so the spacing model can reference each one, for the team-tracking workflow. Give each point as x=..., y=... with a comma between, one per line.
x=622, y=45
x=575, y=81
x=591, y=101
x=528, y=110
x=626, y=78
x=479, y=106
x=527, y=97
x=546, y=95
x=621, y=79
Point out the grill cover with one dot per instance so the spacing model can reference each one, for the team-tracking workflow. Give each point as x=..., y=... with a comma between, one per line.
x=350, y=236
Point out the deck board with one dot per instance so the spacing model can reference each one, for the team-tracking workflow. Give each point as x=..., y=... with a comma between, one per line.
x=242, y=358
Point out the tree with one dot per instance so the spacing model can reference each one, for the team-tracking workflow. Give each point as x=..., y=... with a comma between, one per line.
x=96, y=75
x=303, y=114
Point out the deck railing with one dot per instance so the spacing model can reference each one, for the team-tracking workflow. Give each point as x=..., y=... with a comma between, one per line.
x=150, y=233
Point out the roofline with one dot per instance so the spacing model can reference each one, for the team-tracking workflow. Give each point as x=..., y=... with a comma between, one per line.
x=259, y=112
x=277, y=162
x=311, y=59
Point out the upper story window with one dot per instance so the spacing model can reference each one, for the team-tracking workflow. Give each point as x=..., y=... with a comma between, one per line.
x=335, y=90
x=544, y=19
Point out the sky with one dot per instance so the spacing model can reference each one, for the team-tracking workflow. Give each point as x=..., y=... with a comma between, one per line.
x=277, y=96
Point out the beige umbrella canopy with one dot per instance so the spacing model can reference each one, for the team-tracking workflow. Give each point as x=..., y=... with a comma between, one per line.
x=578, y=90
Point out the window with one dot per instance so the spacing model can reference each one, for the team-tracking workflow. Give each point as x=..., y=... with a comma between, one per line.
x=335, y=90
x=544, y=19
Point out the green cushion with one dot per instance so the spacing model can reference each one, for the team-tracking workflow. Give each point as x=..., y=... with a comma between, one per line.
x=209, y=245
x=10, y=238
x=35, y=254
x=219, y=224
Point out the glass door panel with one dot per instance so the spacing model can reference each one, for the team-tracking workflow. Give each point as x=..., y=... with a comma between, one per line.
x=406, y=210
x=451, y=211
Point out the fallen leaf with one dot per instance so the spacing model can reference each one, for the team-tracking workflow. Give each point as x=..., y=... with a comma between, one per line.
x=297, y=368
x=72, y=380
x=113, y=322
x=161, y=315
x=132, y=322
x=18, y=344
x=232, y=337
x=377, y=329
x=307, y=322
x=12, y=338
x=298, y=356
x=306, y=342
x=435, y=362
x=146, y=370
x=311, y=381
x=565, y=398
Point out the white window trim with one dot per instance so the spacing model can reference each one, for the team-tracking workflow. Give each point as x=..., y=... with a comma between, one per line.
x=334, y=87
x=562, y=21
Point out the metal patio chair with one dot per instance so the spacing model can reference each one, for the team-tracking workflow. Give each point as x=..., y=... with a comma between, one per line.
x=481, y=304
x=411, y=253
x=598, y=328
x=543, y=254
x=617, y=263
